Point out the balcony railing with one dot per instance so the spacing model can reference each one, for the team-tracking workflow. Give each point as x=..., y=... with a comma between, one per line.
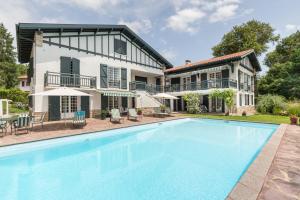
x=69, y=80
x=151, y=88
x=203, y=85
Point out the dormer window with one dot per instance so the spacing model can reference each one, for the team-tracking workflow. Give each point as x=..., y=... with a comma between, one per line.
x=120, y=47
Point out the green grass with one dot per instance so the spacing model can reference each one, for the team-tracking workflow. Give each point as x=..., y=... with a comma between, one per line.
x=275, y=119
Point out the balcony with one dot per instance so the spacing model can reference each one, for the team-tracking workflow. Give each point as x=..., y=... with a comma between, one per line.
x=151, y=88
x=203, y=85
x=69, y=80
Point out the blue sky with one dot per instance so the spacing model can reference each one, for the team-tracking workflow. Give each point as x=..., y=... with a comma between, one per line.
x=178, y=29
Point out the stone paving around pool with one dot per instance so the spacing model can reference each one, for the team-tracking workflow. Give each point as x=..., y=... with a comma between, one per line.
x=60, y=129
x=283, y=178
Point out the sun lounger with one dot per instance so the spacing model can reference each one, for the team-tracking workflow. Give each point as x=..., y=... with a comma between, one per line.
x=158, y=113
x=132, y=114
x=115, y=116
x=22, y=122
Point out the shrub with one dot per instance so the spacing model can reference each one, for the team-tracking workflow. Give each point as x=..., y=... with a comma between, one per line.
x=139, y=111
x=294, y=109
x=103, y=114
x=244, y=113
x=193, y=102
x=272, y=104
x=14, y=94
x=227, y=95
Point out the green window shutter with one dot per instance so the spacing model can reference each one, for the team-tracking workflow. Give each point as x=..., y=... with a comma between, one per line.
x=85, y=105
x=54, y=108
x=65, y=67
x=103, y=76
x=104, y=102
x=124, y=102
x=76, y=71
x=123, y=78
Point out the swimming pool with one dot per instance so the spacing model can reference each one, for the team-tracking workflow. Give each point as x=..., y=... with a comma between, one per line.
x=179, y=159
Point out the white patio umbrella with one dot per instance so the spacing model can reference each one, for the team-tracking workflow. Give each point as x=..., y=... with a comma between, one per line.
x=164, y=96
x=63, y=91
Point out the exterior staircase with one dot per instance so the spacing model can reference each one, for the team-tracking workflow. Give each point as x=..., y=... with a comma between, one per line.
x=146, y=100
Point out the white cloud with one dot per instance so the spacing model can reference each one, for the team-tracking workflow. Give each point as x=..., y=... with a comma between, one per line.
x=94, y=5
x=223, y=13
x=291, y=28
x=13, y=12
x=169, y=54
x=189, y=12
x=138, y=26
x=185, y=20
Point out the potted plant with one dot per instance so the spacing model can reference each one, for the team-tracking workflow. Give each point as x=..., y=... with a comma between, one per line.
x=139, y=111
x=162, y=108
x=103, y=114
x=293, y=119
x=294, y=111
x=244, y=113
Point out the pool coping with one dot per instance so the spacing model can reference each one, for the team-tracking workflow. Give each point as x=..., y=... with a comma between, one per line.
x=90, y=132
x=251, y=182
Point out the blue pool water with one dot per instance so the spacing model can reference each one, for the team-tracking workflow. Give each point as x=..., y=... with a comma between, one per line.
x=180, y=159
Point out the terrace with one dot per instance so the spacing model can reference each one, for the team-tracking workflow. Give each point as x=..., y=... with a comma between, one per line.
x=54, y=79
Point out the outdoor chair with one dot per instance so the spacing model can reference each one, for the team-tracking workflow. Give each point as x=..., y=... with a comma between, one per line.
x=79, y=119
x=3, y=126
x=158, y=113
x=38, y=120
x=22, y=122
x=132, y=114
x=203, y=109
x=115, y=116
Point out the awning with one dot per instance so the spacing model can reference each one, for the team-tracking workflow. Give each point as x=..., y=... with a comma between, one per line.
x=118, y=93
x=63, y=91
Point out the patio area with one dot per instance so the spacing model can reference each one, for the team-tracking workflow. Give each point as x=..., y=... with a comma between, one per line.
x=57, y=129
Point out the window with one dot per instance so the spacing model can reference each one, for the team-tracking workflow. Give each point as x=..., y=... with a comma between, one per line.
x=113, y=102
x=114, y=78
x=251, y=99
x=246, y=99
x=73, y=104
x=68, y=104
x=120, y=47
x=23, y=83
x=64, y=104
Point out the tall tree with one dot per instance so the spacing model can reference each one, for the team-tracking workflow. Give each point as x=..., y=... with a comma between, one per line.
x=250, y=35
x=9, y=70
x=7, y=53
x=283, y=77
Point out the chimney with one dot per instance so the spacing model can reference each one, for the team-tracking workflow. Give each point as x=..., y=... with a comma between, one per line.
x=187, y=62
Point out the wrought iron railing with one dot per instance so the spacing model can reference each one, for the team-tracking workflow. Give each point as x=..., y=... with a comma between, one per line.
x=203, y=85
x=69, y=80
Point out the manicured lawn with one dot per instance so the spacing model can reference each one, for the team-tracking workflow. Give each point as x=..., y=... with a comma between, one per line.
x=253, y=118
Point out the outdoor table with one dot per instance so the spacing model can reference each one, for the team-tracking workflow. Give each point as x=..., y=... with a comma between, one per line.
x=10, y=120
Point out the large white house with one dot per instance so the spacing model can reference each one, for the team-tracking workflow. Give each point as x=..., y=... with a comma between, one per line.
x=110, y=62
x=236, y=71
x=120, y=70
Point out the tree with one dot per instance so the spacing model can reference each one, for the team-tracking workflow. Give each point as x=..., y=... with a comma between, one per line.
x=251, y=35
x=7, y=53
x=8, y=75
x=227, y=95
x=9, y=70
x=283, y=77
